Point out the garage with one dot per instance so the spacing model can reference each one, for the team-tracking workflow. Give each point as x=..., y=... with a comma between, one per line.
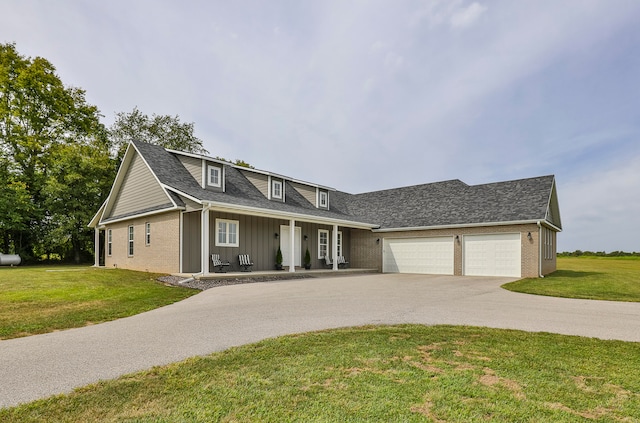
x=418, y=255
x=492, y=255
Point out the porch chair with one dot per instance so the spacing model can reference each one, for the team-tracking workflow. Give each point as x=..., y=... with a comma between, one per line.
x=328, y=262
x=342, y=262
x=219, y=264
x=245, y=262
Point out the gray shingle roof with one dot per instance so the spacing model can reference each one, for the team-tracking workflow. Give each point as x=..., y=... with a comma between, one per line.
x=455, y=203
x=435, y=204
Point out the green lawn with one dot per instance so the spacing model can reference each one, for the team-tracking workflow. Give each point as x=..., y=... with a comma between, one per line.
x=596, y=278
x=386, y=374
x=43, y=299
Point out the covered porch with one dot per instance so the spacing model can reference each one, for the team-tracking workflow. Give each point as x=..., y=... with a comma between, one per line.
x=230, y=232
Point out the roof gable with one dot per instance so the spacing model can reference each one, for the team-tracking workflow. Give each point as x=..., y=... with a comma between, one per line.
x=136, y=190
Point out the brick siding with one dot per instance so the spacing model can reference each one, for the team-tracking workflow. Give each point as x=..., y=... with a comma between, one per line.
x=366, y=250
x=161, y=255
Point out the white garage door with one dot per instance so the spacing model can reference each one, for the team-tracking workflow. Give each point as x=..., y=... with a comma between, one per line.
x=492, y=255
x=418, y=255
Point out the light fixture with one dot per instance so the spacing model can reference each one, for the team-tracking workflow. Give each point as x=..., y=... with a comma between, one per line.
x=529, y=236
x=306, y=237
x=458, y=238
x=378, y=241
x=276, y=235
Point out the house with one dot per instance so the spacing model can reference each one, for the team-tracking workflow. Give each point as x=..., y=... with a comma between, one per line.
x=168, y=211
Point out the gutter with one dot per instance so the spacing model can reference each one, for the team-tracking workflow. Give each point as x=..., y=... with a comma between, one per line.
x=280, y=214
x=453, y=226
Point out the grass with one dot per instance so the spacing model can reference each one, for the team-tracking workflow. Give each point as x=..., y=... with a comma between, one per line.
x=407, y=373
x=43, y=299
x=595, y=278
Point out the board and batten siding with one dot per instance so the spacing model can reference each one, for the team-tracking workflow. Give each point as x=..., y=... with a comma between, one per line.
x=260, y=181
x=191, y=245
x=139, y=191
x=193, y=166
x=257, y=238
x=309, y=193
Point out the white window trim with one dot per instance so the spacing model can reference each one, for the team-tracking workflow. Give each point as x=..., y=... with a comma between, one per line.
x=325, y=195
x=210, y=168
x=147, y=233
x=275, y=183
x=130, y=241
x=226, y=243
x=320, y=231
x=340, y=239
x=109, y=242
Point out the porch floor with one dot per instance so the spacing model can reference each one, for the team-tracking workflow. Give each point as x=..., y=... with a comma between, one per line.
x=284, y=274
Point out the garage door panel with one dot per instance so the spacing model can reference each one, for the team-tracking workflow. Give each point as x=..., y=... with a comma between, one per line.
x=492, y=255
x=418, y=255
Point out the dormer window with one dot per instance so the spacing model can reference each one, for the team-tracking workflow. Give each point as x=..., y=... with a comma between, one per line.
x=323, y=200
x=276, y=189
x=214, y=178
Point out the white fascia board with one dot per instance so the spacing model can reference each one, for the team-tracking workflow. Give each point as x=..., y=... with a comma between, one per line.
x=95, y=221
x=117, y=182
x=190, y=197
x=254, y=211
x=156, y=178
x=462, y=225
x=136, y=216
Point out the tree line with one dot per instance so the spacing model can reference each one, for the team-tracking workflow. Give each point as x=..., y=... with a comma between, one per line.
x=58, y=160
x=580, y=253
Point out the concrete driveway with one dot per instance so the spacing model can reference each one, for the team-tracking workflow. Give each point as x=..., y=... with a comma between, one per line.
x=43, y=365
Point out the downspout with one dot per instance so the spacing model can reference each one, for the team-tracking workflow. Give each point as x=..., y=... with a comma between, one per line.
x=540, y=250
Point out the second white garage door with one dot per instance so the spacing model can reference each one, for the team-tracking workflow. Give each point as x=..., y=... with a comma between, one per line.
x=418, y=255
x=492, y=255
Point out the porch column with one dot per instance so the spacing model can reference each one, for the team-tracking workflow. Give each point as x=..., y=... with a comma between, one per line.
x=204, y=267
x=334, y=247
x=97, y=247
x=292, y=245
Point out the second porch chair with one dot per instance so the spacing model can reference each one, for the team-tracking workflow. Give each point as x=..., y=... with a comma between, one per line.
x=245, y=262
x=219, y=264
x=342, y=262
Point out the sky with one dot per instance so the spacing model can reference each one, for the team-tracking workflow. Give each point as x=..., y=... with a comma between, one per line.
x=369, y=95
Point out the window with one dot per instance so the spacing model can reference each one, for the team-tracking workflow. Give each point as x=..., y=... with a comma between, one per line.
x=214, y=179
x=109, y=240
x=323, y=243
x=276, y=189
x=339, y=243
x=130, y=241
x=227, y=233
x=324, y=199
x=147, y=233
x=548, y=243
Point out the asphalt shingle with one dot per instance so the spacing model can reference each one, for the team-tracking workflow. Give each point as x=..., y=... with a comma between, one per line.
x=435, y=204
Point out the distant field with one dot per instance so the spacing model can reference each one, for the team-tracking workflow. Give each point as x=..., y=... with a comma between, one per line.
x=40, y=299
x=595, y=278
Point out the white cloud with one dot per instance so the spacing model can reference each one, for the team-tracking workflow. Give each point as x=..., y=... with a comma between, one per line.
x=467, y=16
x=600, y=209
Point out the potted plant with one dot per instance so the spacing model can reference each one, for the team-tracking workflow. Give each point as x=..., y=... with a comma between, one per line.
x=307, y=260
x=279, y=259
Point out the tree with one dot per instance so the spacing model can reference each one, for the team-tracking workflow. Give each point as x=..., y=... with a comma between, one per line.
x=166, y=131
x=38, y=114
x=80, y=175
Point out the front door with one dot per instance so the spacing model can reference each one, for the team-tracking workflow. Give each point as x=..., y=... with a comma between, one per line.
x=284, y=245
